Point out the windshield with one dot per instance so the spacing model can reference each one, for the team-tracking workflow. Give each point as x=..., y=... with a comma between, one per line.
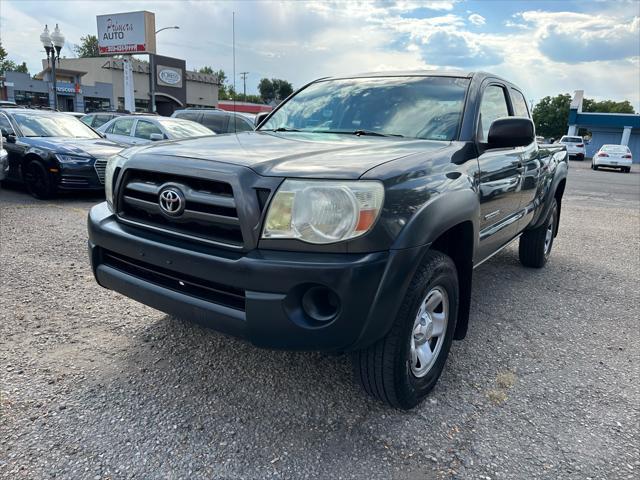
x=415, y=107
x=571, y=140
x=52, y=125
x=178, y=128
x=615, y=149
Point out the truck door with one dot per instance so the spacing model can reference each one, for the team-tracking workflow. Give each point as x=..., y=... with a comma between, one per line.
x=500, y=177
x=531, y=163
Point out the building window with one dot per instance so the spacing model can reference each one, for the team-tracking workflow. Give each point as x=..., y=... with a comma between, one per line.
x=142, y=105
x=33, y=99
x=94, y=104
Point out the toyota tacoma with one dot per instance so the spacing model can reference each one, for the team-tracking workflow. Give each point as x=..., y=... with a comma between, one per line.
x=350, y=220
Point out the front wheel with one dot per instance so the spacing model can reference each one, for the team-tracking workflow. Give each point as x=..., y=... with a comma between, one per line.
x=535, y=245
x=38, y=181
x=404, y=366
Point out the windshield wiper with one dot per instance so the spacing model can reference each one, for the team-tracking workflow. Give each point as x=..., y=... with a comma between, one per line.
x=359, y=133
x=281, y=129
x=375, y=134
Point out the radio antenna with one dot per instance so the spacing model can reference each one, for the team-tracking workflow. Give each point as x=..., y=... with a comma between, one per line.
x=233, y=31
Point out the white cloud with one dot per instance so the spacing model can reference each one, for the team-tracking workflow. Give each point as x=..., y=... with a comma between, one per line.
x=301, y=41
x=477, y=19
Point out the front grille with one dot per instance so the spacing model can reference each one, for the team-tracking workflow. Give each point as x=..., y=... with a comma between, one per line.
x=196, y=287
x=210, y=213
x=100, y=166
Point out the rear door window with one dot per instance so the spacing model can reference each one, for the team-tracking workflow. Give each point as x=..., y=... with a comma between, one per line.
x=492, y=107
x=519, y=104
x=145, y=128
x=122, y=126
x=215, y=121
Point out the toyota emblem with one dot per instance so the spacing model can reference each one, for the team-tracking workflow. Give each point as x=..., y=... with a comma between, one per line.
x=171, y=201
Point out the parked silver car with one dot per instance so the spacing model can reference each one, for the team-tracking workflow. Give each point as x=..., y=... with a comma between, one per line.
x=139, y=130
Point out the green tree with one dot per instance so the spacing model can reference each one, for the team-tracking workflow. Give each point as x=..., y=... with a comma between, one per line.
x=551, y=115
x=274, y=89
x=607, y=106
x=7, y=65
x=88, y=46
x=267, y=92
x=207, y=70
x=282, y=88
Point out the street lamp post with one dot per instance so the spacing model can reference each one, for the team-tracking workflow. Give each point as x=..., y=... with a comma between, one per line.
x=152, y=72
x=53, y=43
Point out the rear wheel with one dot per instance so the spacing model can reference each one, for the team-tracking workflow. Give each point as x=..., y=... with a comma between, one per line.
x=404, y=366
x=535, y=245
x=594, y=166
x=37, y=180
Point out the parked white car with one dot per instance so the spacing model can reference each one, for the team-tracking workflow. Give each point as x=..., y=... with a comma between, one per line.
x=575, y=146
x=142, y=129
x=615, y=156
x=4, y=161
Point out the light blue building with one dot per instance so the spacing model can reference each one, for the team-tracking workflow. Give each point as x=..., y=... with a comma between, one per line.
x=606, y=128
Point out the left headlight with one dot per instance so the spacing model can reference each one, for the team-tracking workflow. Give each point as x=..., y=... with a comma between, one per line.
x=64, y=158
x=322, y=211
x=112, y=164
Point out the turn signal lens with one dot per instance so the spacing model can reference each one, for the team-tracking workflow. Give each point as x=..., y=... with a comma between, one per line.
x=320, y=212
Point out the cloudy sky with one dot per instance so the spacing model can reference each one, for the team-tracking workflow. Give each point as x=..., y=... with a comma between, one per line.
x=547, y=47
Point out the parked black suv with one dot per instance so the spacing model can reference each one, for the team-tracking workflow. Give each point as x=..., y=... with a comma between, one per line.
x=350, y=221
x=219, y=121
x=52, y=151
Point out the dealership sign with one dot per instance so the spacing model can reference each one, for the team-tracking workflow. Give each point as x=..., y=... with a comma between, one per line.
x=171, y=77
x=131, y=32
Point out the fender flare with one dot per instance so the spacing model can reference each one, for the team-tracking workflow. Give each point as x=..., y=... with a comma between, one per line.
x=439, y=214
x=560, y=174
x=434, y=218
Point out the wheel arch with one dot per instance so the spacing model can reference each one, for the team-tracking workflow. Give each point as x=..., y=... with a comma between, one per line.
x=458, y=244
x=449, y=224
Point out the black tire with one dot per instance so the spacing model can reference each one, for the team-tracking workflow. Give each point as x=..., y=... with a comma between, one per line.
x=38, y=181
x=627, y=170
x=594, y=166
x=384, y=369
x=534, y=250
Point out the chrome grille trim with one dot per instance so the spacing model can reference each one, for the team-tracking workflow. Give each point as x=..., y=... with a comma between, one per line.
x=209, y=216
x=100, y=166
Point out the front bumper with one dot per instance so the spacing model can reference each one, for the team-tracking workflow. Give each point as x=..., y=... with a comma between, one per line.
x=80, y=176
x=614, y=163
x=257, y=295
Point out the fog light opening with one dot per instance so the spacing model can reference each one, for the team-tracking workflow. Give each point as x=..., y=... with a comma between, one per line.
x=320, y=304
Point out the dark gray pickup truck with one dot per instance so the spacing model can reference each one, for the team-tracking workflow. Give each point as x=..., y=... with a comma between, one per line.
x=350, y=220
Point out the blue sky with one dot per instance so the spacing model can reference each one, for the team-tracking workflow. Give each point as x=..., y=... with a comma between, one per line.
x=547, y=47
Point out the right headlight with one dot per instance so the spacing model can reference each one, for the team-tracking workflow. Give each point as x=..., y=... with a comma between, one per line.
x=323, y=211
x=112, y=164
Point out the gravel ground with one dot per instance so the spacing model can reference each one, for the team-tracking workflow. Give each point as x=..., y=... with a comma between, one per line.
x=94, y=385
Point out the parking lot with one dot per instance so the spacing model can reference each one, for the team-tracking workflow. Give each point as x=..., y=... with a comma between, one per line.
x=94, y=385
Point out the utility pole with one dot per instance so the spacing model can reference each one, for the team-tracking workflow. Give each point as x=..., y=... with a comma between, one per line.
x=244, y=85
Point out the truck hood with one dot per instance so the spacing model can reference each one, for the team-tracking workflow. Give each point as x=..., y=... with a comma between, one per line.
x=96, y=147
x=307, y=155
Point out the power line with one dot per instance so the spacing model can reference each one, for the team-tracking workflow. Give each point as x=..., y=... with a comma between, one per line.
x=244, y=85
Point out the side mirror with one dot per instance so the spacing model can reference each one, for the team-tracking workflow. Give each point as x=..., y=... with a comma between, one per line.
x=511, y=132
x=9, y=136
x=154, y=137
x=260, y=117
